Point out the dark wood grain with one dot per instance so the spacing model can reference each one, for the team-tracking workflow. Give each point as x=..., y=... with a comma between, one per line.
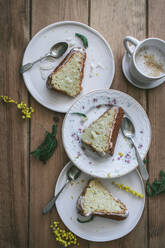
x=14, y=35
x=115, y=20
x=156, y=99
x=43, y=177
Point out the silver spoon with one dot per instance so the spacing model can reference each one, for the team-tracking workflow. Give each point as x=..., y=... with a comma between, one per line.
x=128, y=130
x=56, y=51
x=72, y=174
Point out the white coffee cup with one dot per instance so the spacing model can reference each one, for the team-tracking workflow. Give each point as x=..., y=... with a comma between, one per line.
x=147, y=59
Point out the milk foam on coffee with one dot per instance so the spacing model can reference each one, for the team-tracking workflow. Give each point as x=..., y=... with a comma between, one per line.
x=150, y=61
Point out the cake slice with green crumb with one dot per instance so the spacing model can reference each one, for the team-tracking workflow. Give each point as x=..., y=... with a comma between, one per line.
x=96, y=200
x=102, y=134
x=68, y=75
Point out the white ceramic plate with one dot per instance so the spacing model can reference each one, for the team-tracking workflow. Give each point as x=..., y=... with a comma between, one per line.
x=89, y=161
x=99, y=56
x=100, y=229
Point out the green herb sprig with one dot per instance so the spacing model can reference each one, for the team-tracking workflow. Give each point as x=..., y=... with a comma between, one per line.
x=80, y=114
x=157, y=187
x=46, y=149
x=83, y=39
x=145, y=161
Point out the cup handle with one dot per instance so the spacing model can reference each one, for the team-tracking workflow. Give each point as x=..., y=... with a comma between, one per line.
x=132, y=40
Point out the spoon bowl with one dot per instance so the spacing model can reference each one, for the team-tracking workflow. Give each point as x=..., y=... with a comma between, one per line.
x=128, y=131
x=128, y=128
x=72, y=174
x=56, y=51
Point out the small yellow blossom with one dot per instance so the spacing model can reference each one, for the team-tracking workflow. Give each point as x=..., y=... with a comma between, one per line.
x=26, y=112
x=128, y=189
x=109, y=175
x=120, y=154
x=65, y=238
x=7, y=99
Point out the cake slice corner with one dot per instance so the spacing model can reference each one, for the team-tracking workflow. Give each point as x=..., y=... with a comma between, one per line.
x=96, y=200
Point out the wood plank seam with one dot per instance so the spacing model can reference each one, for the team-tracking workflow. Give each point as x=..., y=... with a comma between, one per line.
x=29, y=131
x=89, y=12
x=147, y=3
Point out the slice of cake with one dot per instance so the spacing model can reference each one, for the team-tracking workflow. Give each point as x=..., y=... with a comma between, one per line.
x=102, y=134
x=68, y=75
x=96, y=200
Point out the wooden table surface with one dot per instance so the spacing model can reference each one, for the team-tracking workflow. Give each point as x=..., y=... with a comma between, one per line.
x=25, y=183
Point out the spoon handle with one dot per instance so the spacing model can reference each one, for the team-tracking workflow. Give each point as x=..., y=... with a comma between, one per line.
x=51, y=203
x=28, y=66
x=25, y=67
x=142, y=167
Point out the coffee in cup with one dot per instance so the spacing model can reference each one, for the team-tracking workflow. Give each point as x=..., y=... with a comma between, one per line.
x=150, y=61
x=147, y=59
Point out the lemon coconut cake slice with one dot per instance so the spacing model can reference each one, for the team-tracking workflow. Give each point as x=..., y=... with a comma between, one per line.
x=96, y=200
x=102, y=134
x=68, y=75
